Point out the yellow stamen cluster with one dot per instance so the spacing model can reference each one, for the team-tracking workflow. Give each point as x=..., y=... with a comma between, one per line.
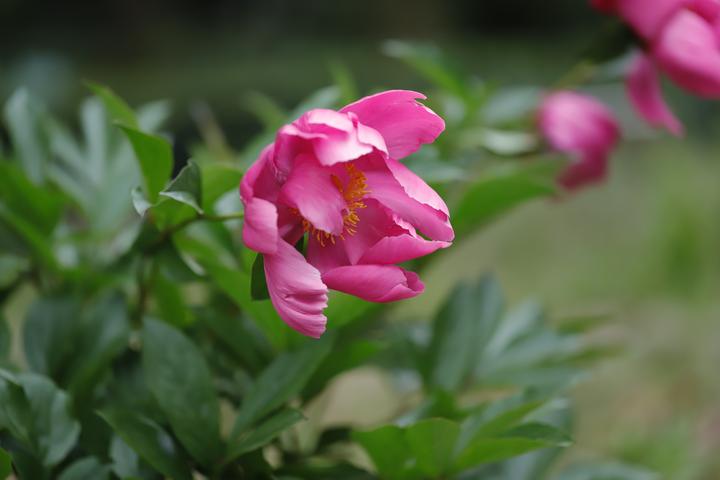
x=353, y=192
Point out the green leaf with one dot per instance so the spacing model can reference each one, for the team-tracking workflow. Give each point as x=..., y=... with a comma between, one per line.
x=103, y=335
x=37, y=414
x=39, y=206
x=428, y=61
x=461, y=330
x=186, y=187
x=343, y=79
x=501, y=189
x=155, y=158
x=5, y=338
x=432, y=443
x=117, y=108
x=258, y=283
x=181, y=382
x=341, y=359
x=517, y=441
x=125, y=462
x=280, y=381
x=170, y=300
x=218, y=179
x=86, y=469
x=49, y=334
x=266, y=432
x=25, y=120
x=388, y=449
x=5, y=464
x=75, y=345
x=150, y=441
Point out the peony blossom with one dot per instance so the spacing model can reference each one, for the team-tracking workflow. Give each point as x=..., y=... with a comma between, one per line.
x=583, y=128
x=682, y=40
x=335, y=177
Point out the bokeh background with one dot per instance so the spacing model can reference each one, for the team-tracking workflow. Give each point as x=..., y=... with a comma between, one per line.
x=644, y=248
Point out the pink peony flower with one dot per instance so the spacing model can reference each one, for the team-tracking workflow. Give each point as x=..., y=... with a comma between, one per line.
x=582, y=127
x=682, y=40
x=335, y=176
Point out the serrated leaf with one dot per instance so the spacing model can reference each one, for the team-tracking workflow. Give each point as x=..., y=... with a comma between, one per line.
x=155, y=158
x=181, y=383
x=150, y=441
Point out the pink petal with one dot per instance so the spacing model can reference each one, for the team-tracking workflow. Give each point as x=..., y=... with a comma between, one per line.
x=648, y=17
x=416, y=187
x=333, y=137
x=584, y=171
x=258, y=191
x=404, y=123
x=430, y=218
x=310, y=190
x=260, y=231
x=689, y=52
x=708, y=9
x=296, y=290
x=643, y=87
x=578, y=124
x=399, y=249
x=374, y=283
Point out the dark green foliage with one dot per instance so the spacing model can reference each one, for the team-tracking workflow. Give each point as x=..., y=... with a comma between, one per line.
x=149, y=349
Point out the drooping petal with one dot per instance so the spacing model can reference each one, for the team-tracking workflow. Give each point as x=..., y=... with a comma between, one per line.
x=260, y=231
x=386, y=189
x=374, y=283
x=310, y=190
x=400, y=248
x=584, y=171
x=258, y=190
x=404, y=123
x=688, y=51
x=648, y=17
x=296, y=290
x=643, y=88
x=416, y=187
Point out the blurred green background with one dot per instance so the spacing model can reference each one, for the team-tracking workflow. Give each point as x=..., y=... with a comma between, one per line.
x=642, y=248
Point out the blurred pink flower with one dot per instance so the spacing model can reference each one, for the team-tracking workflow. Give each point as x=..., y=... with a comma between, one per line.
x=682, y=40
x=335, y=176
x=583, y=128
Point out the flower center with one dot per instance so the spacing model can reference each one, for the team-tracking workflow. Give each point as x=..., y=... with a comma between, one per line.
x=353, y=191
